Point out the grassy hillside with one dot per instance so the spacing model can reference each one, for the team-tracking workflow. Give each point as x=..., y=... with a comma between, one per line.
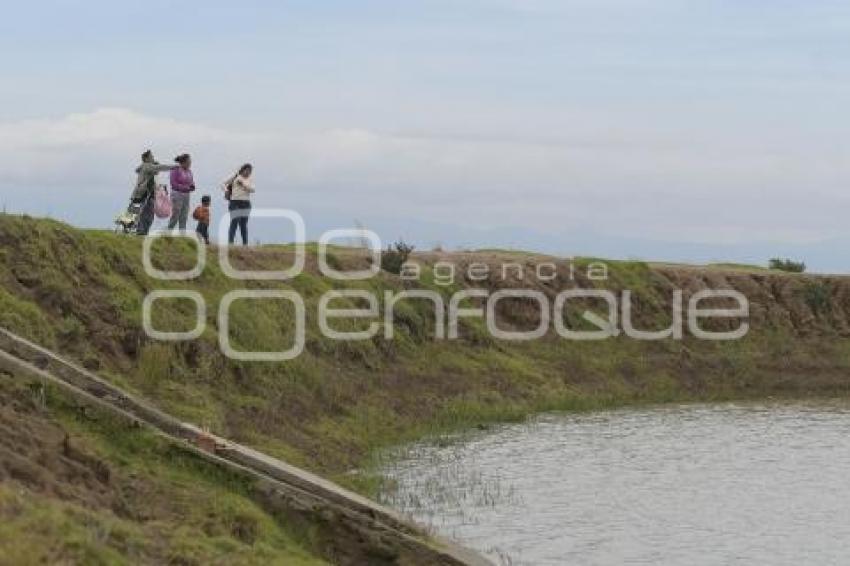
x=80, y=487
x=80, y=292
x=332, y=408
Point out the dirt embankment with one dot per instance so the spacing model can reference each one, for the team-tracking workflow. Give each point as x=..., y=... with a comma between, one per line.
x=39, y=453
x=803, y=304
x=80, y=292
x=77, y=487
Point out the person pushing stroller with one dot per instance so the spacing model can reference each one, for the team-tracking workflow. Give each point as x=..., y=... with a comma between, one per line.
x=145, y=190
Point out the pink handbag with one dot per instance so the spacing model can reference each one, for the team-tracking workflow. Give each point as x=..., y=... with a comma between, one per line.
x=162, y=204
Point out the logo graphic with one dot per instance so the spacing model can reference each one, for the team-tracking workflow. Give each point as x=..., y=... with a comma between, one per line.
x=617, y=321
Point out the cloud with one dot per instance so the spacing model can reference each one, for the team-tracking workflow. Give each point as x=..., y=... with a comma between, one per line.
x=626, y=181
x=102, y=127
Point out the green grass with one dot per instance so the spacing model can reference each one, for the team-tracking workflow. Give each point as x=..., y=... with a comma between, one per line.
x=334, y=407
x=741, y=266
x=169, y=506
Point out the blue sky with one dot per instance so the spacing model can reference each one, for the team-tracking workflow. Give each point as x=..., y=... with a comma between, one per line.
x=636, y=128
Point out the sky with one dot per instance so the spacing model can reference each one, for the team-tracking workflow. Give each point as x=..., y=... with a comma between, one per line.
x=682, y=130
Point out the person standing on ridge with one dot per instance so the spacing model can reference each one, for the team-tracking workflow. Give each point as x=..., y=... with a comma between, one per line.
x=182, y=184
x=202, y=215
x=238, y=192
x=146, y=189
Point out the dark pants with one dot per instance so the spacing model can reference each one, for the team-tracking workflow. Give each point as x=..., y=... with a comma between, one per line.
x=239, y=211
x=203, y=230
x=143, y=225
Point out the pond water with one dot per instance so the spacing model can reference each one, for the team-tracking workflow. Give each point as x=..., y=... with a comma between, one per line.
x=689, y=484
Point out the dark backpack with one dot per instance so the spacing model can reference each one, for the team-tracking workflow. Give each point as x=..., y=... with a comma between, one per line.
x=228, y=188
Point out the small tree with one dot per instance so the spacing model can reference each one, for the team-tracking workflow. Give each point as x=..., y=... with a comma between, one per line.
x=395, y=257
x=787, y=265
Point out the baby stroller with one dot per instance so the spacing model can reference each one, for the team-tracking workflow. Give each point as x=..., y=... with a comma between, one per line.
x=127, y=221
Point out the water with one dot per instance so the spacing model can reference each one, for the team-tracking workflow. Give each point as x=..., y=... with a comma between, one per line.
x=693, y=484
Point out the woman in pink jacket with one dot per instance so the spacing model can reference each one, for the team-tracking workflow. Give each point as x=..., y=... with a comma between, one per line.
x=182, y=184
